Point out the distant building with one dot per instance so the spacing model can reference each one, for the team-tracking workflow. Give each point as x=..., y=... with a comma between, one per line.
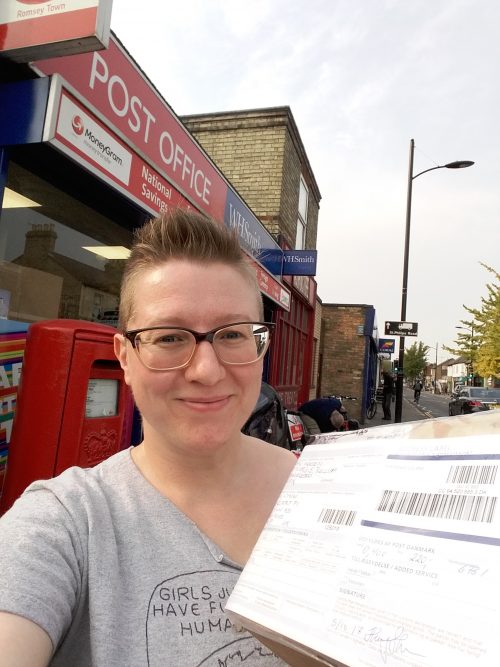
x=349, y=354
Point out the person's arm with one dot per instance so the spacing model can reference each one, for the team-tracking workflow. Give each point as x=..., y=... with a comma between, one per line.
x=23, y=643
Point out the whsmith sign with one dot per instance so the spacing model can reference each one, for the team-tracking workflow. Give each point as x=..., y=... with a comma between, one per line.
x=289, y=262
x=299, y=262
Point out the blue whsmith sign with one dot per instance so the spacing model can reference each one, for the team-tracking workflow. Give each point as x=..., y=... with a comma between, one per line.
x=299, y=262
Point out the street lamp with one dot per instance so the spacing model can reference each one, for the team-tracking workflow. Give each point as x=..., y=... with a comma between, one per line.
x=435, y=366
x=471, y=329
x=458, y=164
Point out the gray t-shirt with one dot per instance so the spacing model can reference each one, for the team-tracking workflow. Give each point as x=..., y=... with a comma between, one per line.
x=118, y=576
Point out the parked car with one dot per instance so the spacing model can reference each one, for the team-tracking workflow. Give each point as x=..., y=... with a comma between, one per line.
x=473, y=399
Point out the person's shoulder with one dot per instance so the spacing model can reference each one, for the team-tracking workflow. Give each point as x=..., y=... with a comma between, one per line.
x=267, y=454
x=77, y=487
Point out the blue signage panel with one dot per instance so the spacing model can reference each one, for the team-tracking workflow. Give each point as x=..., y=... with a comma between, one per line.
x=22, y=109
x=252, y=234
x=299, y=262
x=272, y=260
x=386, y=345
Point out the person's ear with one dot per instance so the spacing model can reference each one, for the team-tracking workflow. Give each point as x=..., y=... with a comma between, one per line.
x=121, y=352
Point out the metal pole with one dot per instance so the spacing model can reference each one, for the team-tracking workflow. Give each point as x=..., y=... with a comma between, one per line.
x=398, y=408
x=471, y=354
x=436, y=371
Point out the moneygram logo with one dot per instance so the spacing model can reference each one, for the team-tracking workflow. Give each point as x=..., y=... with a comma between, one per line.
x=77, y=125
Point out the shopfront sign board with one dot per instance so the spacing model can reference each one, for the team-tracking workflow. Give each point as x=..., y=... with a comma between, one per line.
x=31, y=29
x=118, y=91
x=299, y=262
x=387, y=345
x=76, y=131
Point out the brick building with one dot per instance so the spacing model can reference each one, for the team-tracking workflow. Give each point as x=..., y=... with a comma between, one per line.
x=349, y=354
x=261, y=153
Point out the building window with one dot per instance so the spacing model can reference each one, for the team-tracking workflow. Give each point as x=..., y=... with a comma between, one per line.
x=302, y=216
x=58, y=257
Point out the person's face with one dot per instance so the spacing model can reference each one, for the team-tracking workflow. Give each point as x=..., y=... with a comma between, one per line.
x=204, y=405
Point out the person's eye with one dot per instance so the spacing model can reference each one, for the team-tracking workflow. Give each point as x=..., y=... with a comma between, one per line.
x=231, y=334
x=168, y=339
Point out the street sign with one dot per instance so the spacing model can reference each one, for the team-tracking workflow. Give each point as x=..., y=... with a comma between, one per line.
x=401, y=328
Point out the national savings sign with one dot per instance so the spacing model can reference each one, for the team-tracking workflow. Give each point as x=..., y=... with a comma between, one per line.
x=114, y=86
x=82, y=136
x=45, y=28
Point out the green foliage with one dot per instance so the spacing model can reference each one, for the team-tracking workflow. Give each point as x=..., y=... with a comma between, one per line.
x=487, y=360
x=415, y=360
x=479, y=342
x=467, y=341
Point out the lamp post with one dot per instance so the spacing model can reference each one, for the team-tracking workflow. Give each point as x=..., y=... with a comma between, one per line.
x=435, y=366
x=471, y=329
x=458, y=164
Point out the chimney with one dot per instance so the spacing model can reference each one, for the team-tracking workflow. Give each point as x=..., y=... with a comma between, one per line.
x=40, y=243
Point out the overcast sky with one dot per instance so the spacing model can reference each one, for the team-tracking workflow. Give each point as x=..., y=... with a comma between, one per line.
x=362, y=77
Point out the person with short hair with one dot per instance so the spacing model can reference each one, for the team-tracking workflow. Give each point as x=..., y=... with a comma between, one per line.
x=131, y=562
x=387, y=394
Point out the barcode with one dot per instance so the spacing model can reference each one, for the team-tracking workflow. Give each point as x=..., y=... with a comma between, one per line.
x=472, y=474
x=439, y=505
x=339, y=517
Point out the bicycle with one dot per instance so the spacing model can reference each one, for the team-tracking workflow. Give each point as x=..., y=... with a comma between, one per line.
x=371, y=409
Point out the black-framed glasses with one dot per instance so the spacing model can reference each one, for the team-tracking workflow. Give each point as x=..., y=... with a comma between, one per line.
x=168, y=348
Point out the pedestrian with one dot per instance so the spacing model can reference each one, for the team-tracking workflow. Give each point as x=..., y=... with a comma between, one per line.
x=322, y=411
x=417, y=388
x=131, y=562
x=387, y=393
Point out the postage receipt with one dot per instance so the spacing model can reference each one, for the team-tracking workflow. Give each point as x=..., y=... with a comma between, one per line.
x=384, y=553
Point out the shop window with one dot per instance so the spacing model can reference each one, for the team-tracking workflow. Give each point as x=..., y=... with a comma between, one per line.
x=293, y=343
x=58, y=257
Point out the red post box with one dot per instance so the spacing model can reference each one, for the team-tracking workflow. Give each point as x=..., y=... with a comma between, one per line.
x=73, y=405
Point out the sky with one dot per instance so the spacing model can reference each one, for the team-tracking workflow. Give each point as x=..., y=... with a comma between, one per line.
x=362, y=78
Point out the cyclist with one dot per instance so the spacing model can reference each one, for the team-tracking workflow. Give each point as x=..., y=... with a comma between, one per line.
x=417, y=388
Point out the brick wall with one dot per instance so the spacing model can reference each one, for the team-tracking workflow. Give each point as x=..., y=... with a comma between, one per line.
x=261, y=154
x=343, y=353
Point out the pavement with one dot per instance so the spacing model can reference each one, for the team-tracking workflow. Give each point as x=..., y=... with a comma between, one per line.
x=410, y=412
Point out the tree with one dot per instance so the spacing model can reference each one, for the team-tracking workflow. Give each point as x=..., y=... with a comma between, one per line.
x=415, y=360
x=467, y=342
x=480, y=341
x=487, y=355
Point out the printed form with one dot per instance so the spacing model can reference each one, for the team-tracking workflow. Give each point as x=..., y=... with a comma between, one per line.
x=383, y=553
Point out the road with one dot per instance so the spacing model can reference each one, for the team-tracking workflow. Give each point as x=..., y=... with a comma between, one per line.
x=433, y=405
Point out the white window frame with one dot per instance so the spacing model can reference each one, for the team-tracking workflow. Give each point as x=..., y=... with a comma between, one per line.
x=300, y=238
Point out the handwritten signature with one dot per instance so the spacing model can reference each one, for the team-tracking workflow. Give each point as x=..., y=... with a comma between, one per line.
x=389, y=645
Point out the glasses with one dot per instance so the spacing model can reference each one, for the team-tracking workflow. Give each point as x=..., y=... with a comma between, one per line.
x=169, y=348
